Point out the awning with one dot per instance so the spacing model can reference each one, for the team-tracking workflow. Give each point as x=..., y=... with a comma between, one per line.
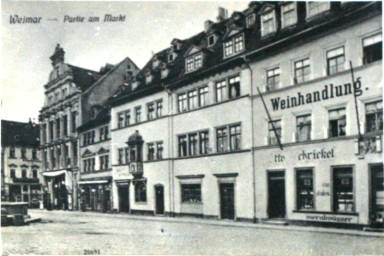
x=53, y=174
x=93, y=182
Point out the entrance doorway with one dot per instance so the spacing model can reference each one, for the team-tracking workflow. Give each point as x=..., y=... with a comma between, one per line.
x=276, y=194
x=227, y=201
x=159, y=194
x=123, y=191
x=377, y=194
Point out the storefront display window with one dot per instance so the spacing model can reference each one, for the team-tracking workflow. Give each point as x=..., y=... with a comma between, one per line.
x=140, y=192
x=343, y=196
x=191, y=193
x=304, y=189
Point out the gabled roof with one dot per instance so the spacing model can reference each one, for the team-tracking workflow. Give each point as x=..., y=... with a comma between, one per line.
x=19, y=134
x=84, y=78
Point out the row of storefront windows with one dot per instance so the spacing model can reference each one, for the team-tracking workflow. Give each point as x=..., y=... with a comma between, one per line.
x=337, y=123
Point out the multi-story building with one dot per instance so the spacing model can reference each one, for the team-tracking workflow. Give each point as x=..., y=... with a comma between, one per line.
x=258, y=117
x=62, y=114
x=21, y=164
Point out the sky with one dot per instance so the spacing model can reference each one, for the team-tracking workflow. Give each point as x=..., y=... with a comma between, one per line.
x=26, y=48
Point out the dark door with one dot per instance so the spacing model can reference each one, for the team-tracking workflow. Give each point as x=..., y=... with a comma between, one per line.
x=227, y=201
x=377, y=193
x=123, y=198
x=107, y=201
x=159, y=190
x=276, y=194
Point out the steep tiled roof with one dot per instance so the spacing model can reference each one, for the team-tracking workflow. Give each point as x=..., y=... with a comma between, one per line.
x=19, y=134
x=84, y=78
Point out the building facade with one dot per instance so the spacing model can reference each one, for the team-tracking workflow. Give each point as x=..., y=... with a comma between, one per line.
x=21, y=163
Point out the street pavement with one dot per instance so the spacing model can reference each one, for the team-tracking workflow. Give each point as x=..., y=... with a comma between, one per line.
x=76, y=233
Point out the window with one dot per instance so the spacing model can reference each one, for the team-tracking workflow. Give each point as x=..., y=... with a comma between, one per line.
x=211, y=40
x=34, y=173
x=151, y=151
x=58, y=128
x=372, y=48
x=302, y=71
x=234, y=87
x=120, y=119
x=251, y=19
x=234, y=137
x=151, y=111
x=268, y=23
x=34, y=154
x=315, y=8
x=120, y=154
x=138, y=114
x=204, y=142
x=74, y=122
x=182, y=146
x=13, y=173
x=272, y=139
x=44, y=138
x=23, y=153
x=193, y=144
x=159, y=108
x=103, y=131
x=126, y=155
x=103, y=162
x=194, y=62
x=159, y=150
x=191, y=193
x=51, y=130
x=374, y=116
x=192, y=100
x=343, y=198
x=304, y=190
x=85, y=165
x=24, y=173
x=12, y=153
x=203, y=96
x=335, y=60
x=140, y=192
x=127, y=115
x=234, y=45
x=25, y=189
x=289, y=14
x=222, y=139
x=170, y=57
x=273, y=79
x=337, y=122
x=182, y=102
x=65, y=125
x=220, y=90
x=303, y=131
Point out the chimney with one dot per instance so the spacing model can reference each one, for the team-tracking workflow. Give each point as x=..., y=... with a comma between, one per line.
x=207, y=25
x=223, y=14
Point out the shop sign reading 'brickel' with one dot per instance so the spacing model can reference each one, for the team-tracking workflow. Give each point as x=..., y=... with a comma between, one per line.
x=316, y=154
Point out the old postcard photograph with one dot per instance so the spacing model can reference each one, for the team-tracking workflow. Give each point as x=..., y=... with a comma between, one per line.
x=192, y=128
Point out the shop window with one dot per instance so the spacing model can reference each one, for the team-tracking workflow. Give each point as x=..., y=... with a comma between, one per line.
x=182, y=145
x=272, y=139
x=204, y=142
x=140, y=192
x=303, y=128
x=12, y=153
x=23, y=153
x=315, y=8
x=337, y=122
x=151, y=151
x=235, y=45
x=34, y=173
x=289, y=14
x=138, y=114
x=302, y=71
x=304, y=189
x=220, y=90
x=203, y=96
x=273, y=79
x=194, y=62
x=234, y=137
x=234, y=87
x=251, y=19
x=24, y=173
x=159, y=150
x=182, y=102
x=268, y=24
x=13, y=173
x=372, y=48
x=335, y=60
x=192, y=100
x=222, y=139
x=193, y=144
x=191, y=193
x=343, y=197
x=159, y=108
x=374, y=116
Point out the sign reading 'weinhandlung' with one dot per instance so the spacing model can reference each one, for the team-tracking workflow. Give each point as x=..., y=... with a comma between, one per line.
x=330, y=91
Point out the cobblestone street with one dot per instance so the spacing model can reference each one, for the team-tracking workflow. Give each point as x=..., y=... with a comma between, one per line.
x=75, y=232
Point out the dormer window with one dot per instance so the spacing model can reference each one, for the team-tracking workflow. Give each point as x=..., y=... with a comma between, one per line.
x=289, y=15
x=148, y=78
x=211, y=40
x=268, y=24
x=251, y=19
x=194, y=62
x=234, y=46
x=164, y=73
x=315, y=8
x=155, y=62
x=170, y=57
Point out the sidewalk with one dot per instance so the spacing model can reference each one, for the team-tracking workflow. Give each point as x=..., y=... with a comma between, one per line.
x=44, y=213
